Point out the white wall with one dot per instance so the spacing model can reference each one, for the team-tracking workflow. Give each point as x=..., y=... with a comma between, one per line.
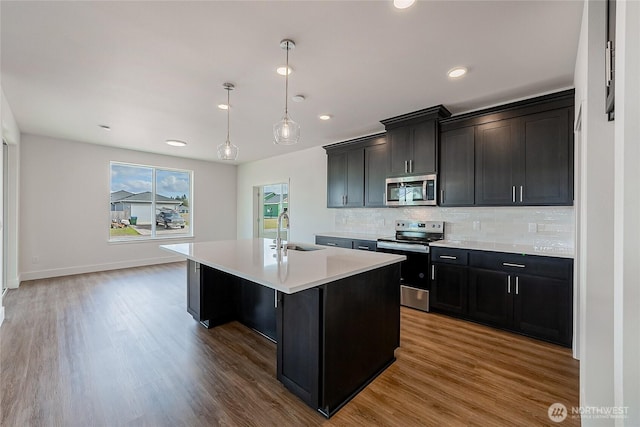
x=11, y=134
x=307, y=170
x=64, y=196
x=609, y=234
x=627, y=207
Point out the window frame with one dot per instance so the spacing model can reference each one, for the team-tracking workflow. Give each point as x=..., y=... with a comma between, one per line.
x=153, y=236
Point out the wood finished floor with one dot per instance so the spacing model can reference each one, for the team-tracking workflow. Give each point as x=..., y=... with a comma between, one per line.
x=118, y=348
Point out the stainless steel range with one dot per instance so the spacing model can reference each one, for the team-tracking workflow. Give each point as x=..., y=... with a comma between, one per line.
x=412, y=240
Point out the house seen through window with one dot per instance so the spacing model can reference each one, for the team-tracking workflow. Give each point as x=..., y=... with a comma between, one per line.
x=148, y=202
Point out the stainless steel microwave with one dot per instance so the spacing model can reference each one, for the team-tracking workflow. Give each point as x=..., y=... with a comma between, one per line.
x=411, y=191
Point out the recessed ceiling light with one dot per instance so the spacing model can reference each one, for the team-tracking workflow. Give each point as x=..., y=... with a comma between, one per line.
x=324, y=117
x=223, y=106
x=283, y=70
x=403, y=4
x=175, y=143
x=456, y=72
x=105, y=127
x=298, y=98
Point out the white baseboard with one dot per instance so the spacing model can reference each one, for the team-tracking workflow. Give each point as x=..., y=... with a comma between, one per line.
x=13, y=283
x=57, y=272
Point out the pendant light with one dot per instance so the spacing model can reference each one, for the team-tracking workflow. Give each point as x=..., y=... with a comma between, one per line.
x=286, y=131
x=228, y=151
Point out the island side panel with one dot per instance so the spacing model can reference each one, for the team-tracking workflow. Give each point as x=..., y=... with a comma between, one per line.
x=361, y=330
x=298, y=336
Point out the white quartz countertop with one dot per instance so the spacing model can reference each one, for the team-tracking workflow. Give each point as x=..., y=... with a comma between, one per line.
x=355, y=236
x=504, y=247
x=255, y=260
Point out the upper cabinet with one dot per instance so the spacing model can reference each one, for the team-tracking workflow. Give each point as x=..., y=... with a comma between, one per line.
x=457, y=167
x=523, y=154
x=356, y=171
x=413, y=140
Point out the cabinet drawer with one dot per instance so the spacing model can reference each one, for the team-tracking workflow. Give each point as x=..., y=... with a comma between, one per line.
x=449, y=256
x=334, y=241
x=365, y=245
x=556, y=268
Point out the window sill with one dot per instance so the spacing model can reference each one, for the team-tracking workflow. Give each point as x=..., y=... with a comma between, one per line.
x=145, y=239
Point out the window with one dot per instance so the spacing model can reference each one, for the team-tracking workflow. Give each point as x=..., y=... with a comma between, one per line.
x=148, y=202
x=271, y=201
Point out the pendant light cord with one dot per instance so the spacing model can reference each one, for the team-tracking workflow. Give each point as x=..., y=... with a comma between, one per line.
x=228, y=113
x=286, y=84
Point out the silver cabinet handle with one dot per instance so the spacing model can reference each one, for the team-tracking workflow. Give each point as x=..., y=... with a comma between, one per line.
x=513, y=193
x=441, y=196
x=508, y=264
x=331, y=244
x=406, y=166
x=508, y=284
x=521, y=193
x=410, y=166
x=275, y=298
x=516, y=285
x=346, y=199
x=433, y=272
x=448, y=257
x=608, y=71
x=364, y=248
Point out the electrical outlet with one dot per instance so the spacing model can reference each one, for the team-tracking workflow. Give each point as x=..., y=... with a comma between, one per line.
x=476, y=225
x=533, y=227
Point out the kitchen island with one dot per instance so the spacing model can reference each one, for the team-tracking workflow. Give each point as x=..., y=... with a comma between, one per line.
x=334, y=313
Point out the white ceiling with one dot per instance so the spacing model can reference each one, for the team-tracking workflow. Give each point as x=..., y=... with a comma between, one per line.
x=154, y=70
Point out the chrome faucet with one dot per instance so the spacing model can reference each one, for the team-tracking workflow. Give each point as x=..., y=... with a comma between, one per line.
x=278, y=238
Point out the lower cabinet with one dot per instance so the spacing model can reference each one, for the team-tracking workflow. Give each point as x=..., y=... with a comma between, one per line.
x=342, y=242
x=448, y=288
x=528, y=294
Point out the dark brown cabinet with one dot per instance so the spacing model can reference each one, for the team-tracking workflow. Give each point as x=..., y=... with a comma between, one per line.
x=523, y=154
x=528, y=294
x=375, y=173
x=448, y=291
x=356, y=171
x=345, y=179
x=497, y=157
x=413, y=141
x=457, y=167
x=342, y=242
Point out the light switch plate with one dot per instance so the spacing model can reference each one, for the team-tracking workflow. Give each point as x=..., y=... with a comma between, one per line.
x=476, y=225
x=533, y=227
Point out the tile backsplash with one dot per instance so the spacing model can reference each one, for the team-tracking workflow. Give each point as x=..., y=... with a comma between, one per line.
x=542, y=227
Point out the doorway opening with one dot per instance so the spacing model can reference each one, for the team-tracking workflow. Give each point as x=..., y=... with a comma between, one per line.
x=269, y=201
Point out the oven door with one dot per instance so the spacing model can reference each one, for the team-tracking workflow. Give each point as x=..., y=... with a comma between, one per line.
x=414, y=278
x=411, y=191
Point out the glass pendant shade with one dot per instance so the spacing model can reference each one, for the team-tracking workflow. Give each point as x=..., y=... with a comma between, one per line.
x=286, y=131
x=228, y=151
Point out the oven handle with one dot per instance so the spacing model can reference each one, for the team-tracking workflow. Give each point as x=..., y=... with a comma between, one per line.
x=406, y=247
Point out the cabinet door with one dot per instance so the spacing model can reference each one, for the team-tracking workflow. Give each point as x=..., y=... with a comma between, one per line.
x=448, y=288
x=547, y=144
x=543, y=308
x=354, y=196
x=496, y=152
x=490, y=299
x=193, y=289
x=423, y=138
x=399, y=150
x=457, y=170
x=375, y=168
x=336, y=179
